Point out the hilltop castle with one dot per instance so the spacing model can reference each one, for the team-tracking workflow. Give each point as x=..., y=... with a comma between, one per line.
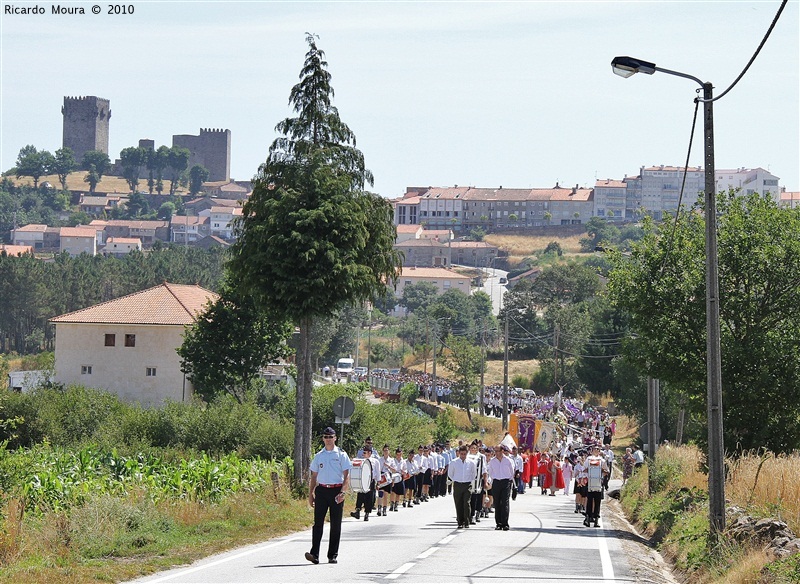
x=86, y=122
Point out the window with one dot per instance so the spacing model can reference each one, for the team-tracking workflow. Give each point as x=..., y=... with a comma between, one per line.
x=111, y=340
x=151, y=372
x=130, y=340
x=86, y=369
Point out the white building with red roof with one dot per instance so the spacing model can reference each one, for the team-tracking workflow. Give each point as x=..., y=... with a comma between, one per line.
x=128, y=346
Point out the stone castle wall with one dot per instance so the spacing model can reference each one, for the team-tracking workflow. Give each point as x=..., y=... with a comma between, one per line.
x=211, y=149
x=85, y=124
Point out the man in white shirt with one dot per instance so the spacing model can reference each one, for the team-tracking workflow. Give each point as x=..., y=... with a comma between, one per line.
x=501, y=471
x=330, y=473
x=518, y=464
x=462, y=472
x=595, y=468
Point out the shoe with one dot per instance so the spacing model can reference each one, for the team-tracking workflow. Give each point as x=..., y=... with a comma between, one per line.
x=506, y=528
x=416, y=501
x=552, y=494
x=395, y=508
x=404, y=503
x=472, y=522
x=596, y=524
x=366, y=516
x=333, y=560
x=498, y=527
x=478, y=519
x=460, y=526
x=466, y=526
x=356, y=514
x=312, y=558
x=586, y=522
x=577, y=509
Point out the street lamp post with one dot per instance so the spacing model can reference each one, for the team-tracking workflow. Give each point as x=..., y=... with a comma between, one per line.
x=625, y=67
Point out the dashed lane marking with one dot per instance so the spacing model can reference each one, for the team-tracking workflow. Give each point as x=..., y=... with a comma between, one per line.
x=427, y=553
x=400, y=571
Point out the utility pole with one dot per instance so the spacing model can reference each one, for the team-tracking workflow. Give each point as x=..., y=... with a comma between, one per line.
x=505, y=378
x=369, y=339
x=483, y=368
x=435, y=334
x=555, y=357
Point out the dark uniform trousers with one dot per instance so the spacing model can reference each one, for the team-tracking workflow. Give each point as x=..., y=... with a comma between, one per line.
x=501, y=491
x=324, y=500
x=461, y=496
x=366, y=500
x=593, y=499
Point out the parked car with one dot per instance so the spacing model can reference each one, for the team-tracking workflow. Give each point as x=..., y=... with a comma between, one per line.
x=394, y=371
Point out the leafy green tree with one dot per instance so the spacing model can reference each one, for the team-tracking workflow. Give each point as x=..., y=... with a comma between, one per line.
x=565, y=283
x=661, y=285
x=229, y=343
x=178, y=162
x=133, y=159
x=464, y=360
x=311, y=240
x=418, y=297
x=137, y=205
x=554, y=247
x=64, y=163
x=197, y=176
x=32, y=163
x=97, y=164
x=157, y=161
x=599, y=231
x=166, y=210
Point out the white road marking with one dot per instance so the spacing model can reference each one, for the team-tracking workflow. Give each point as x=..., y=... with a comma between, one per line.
x=400, y=571
x=605, y=557
x=447, y=539
x=426, y=553
x=222, y=561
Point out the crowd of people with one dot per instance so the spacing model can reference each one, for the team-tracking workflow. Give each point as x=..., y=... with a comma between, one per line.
x=481, y=478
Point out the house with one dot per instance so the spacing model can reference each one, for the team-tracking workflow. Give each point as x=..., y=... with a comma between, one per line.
x=121, y=246
x=790, y=200
x=406, y=232
x=442, y=278
x=188, y=228
x=478, y=254
x=424, y=253
x=15, y=250
x=78, y=240
x=147, y=231
x=211, y=241
x=231, y=190
x=128, y=346
x=94, y=205
x=30, y=235
x=222, y=220
x=529, y=276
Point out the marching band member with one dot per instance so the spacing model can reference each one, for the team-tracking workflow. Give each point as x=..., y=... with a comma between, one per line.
x=410, y=479
x=418, y=462
x=478, y=483
x=397, y=466
x=385, y=491
x=427, y=477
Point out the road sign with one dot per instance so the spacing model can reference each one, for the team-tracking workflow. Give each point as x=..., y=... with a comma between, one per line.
x=343, y=407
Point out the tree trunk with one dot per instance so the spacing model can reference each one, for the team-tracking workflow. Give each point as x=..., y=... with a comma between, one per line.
x=302, y=423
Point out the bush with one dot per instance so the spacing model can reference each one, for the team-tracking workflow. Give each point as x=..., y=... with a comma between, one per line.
x=271, y=439
x=445, y=425
x=409, y=393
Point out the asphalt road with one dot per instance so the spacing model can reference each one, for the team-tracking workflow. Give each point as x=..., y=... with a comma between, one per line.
x=547, y=543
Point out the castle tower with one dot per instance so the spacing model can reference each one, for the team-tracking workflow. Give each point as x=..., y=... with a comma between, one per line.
x=86, y=124
x=211, y=149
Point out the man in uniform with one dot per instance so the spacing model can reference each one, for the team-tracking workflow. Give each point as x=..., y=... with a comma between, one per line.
x=330, y=474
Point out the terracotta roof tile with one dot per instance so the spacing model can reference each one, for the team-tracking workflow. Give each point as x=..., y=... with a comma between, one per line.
x=440, y=273
x=167, y=304
x=78, y=232
x=408, y=228
x=32, y=227
x=15, y=250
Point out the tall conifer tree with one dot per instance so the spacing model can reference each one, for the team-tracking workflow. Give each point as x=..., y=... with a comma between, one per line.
x=311, y=240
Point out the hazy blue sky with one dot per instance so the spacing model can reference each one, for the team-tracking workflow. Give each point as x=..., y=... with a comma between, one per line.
x=518, y=94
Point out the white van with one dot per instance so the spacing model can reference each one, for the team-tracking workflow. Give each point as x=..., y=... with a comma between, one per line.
x=345, y=366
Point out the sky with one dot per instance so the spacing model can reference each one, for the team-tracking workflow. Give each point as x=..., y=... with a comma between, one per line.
x=518, y=94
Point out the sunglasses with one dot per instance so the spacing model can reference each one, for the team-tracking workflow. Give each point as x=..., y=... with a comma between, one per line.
x=329, y=436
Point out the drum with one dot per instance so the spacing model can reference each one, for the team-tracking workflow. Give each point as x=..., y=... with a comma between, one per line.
x=396, y=477
x=385, y=481
x=361, y=475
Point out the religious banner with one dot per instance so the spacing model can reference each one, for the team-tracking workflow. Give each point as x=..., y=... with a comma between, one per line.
x=509, y=441
x=527, y=431
x=546, y=434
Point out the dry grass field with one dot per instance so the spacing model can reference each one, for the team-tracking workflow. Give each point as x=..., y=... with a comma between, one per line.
x=108, y=184
x=522, y=246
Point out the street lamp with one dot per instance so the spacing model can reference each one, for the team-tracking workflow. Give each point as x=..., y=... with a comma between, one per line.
x=625, y=67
